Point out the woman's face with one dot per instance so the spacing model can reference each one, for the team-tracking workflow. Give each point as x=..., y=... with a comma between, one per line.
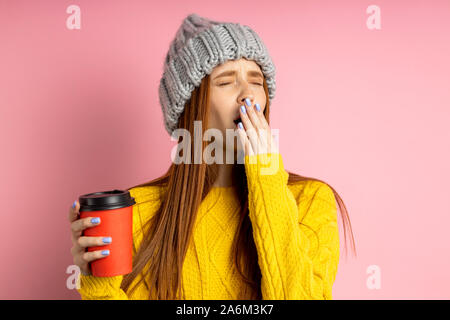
x=230, y=84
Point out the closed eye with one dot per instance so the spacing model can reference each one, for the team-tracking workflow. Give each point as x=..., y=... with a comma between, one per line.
x=223, y=84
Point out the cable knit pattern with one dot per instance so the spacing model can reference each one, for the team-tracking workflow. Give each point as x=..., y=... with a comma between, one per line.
x=288, y=272
x=200, y=45
x=294, y=227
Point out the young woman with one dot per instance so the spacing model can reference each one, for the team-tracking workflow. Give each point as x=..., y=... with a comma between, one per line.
x=240, y=230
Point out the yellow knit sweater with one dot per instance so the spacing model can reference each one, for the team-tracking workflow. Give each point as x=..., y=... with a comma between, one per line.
x=296, y=261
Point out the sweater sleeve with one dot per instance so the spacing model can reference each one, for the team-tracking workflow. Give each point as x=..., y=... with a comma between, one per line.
x=101, y=288
x=108, y=288
x=289, y=269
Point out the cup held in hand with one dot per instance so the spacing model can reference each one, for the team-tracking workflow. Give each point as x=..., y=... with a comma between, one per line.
x=115, y=210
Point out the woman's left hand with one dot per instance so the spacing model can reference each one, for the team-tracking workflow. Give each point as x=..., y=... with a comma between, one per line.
x=256, y=135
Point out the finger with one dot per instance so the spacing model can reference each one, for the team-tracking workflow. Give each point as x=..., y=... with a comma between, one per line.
x=243, y=141
x=79, y=225
x=263, y=142
x=245, y=119
x=89, y=256
x=272, y=143
x=254, y=139
x=83, y=265
x=249, y=128
x=75, y=236
x=265, y=132
x=85, y=242
x=248, y=150
x=80, y=262
x=241, y=138
x=273, y=147
x=261, y=117
x=76, y=250
x=74, y=211
x=251, y=112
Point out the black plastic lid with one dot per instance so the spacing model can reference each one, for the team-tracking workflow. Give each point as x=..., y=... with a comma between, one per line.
x=106, y=200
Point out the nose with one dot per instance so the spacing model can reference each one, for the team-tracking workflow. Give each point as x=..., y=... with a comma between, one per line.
x=247, y=100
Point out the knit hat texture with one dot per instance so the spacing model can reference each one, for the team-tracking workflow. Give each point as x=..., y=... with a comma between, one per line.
x=200, y=45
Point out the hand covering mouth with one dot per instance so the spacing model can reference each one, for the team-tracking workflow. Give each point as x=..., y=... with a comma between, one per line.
x=237, y=120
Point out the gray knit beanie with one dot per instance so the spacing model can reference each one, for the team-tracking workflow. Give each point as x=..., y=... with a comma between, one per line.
x=200, y=45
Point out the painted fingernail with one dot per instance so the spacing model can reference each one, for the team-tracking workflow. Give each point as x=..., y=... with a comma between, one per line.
x=95, y=220
x=243, y=109
x=257, y=107
x=240, y=125
x=105, y=252
x=248, y=102
x=107, y=240
x=74, y=204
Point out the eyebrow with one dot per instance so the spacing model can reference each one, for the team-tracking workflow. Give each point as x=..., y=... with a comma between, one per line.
x=233, y=72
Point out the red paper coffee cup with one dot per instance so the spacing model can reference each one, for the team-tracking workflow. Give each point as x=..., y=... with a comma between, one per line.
x=115, y=210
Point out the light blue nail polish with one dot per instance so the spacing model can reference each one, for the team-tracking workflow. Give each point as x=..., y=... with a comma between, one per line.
x=105, y=252
x=248, y=102
x=240, y=125
x=257, y=107
x=74, y=204
x=243, y=109
x=95, y=220
x=107, y=240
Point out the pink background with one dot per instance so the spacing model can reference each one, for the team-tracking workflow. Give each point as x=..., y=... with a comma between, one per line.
x=365, y=110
